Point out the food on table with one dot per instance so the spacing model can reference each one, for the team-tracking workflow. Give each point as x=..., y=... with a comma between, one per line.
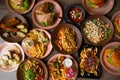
x=67, y=62
x=60, y=72
x=96, y=30
x=75, y=14
x=113, y=56
x=21, y=5
x=32, y=70
x=89, y=61
x=66, y=39
x=96, y=3
x=46, y=14
x=13, y=27
x=117, y=25
x=36, y=43
x=11, y=57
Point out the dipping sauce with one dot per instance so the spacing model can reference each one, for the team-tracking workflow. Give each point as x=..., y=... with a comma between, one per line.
x=75, y=14
x=67, y=62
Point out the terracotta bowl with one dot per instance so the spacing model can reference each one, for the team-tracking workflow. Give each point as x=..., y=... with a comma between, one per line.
x=106, y=65
x=49, y=47
x=19, y=11
x=78, y=38
x=75, y=64
x=106, y=8
x=67, y=11
x=105, y=20
x=5, y=19
x=4, y=47
x=37, y=18
x=20, y=73
x=117, y=14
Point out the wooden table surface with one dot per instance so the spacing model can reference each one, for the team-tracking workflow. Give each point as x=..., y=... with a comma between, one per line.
x=64, y=3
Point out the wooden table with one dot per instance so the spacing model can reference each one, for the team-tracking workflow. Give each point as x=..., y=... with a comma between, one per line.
x=64, y=3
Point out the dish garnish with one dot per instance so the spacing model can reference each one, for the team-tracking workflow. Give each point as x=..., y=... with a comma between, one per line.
x=117, y=25
x=14, y=27
x=89, y=61
x=95, y=3
x=66, y=39
x=36, y=43
x=96, y=30
x=76, y=14
x=113, y=56
x=32, y=69
x=46, y=12
x=60, y=72
x=21, y=5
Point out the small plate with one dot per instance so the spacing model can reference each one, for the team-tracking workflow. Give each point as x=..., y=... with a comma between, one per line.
x=19, y=11
x=49, y=46
x=117, y=14
x=5, y=19
x=57, y=9
x=108, y=67
x=106, y=21
x=20, y=74
x=78, y=38
x=106, y=8
x=4, y=48
x=75, y=65
x=99, y=69
x=67, y=12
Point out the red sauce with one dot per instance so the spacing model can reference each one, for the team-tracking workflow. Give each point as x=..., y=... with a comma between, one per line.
x=75, y=14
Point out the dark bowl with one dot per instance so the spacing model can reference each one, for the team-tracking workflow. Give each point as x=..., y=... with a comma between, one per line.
x=5, y=19
x=78, y=38
x=105, y=20
x=19, y=11
x=20, y=75
x=37, y=18
x=67, y=11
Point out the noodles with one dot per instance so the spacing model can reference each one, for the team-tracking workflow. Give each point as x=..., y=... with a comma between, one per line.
x=66, y=39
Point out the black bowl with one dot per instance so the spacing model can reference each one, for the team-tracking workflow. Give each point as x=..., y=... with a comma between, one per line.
x=67, y=17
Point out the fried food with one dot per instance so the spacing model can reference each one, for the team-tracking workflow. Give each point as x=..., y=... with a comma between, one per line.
x=66, y=39
x=89, y=61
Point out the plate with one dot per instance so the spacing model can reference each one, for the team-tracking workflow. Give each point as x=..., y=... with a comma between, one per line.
x=38, y=18
x=117, y=14
x=106, y=8
x=108, y=67
x=14, y=19
x=77, y=40
x=74, y=21
x=74, y=64
x=98, y=69
x=32, y=44
x=12, y=54
x=37, y=64
x=32, y=2
x=109, y=33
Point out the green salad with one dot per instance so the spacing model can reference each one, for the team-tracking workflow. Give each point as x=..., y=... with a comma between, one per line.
x=22, y=5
